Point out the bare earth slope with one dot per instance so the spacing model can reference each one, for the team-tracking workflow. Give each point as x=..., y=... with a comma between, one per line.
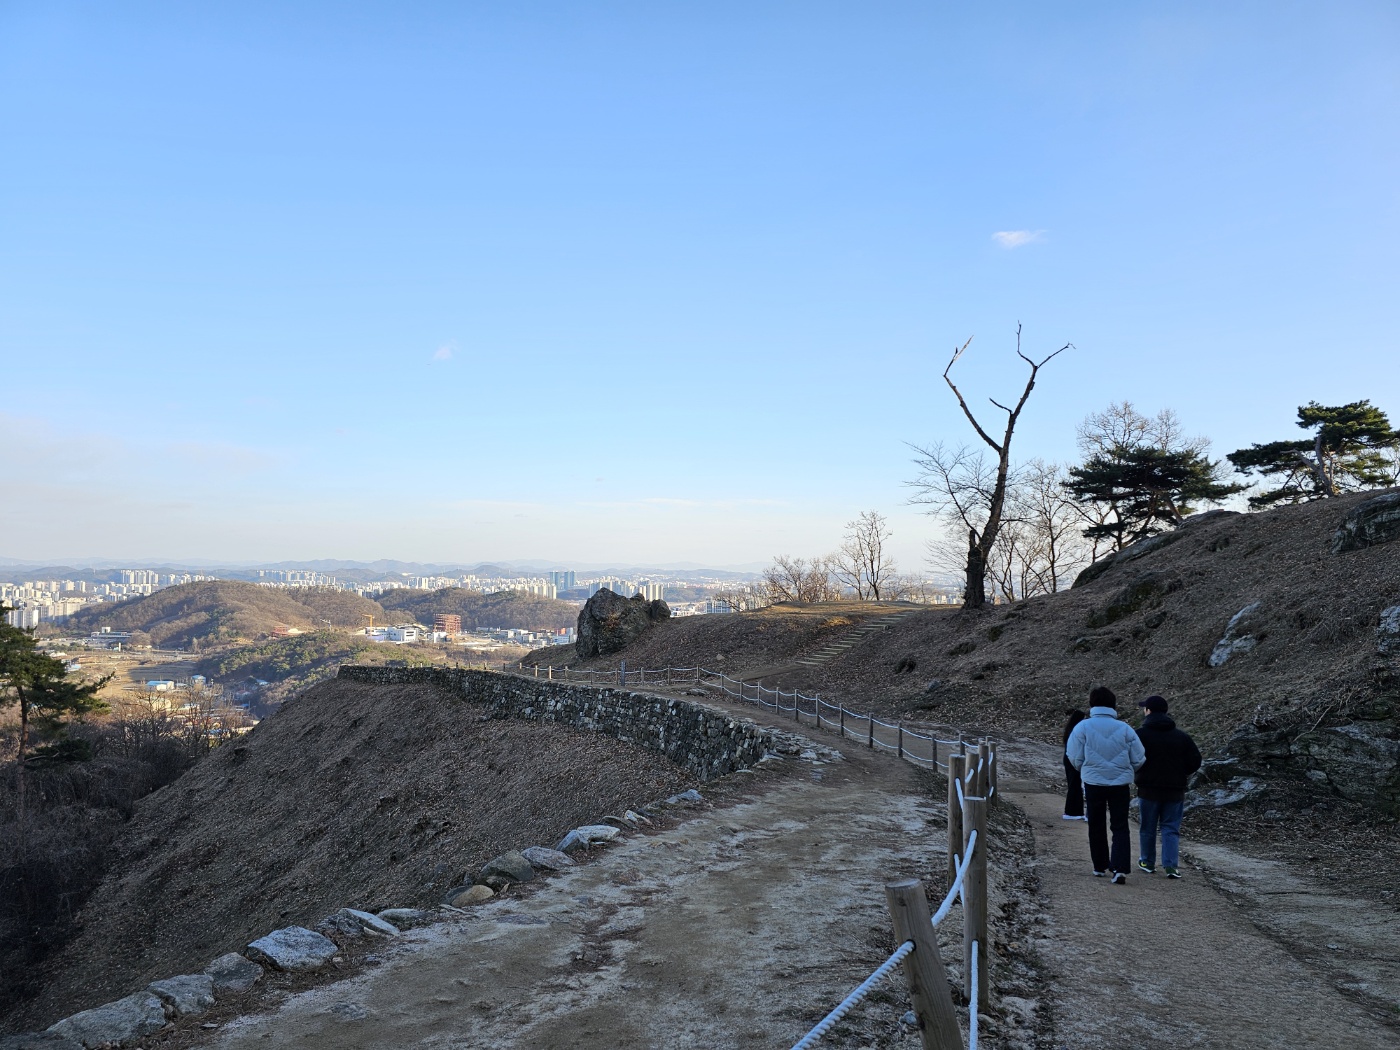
x=1019, y=667
x=350, y=795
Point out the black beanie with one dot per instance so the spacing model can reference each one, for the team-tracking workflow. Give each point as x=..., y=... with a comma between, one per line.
x=1102, y=696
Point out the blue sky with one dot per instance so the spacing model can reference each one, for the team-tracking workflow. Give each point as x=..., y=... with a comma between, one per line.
x=654, y=282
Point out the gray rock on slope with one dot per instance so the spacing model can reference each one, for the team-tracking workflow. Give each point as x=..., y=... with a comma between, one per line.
x=585, y=836
x=544, y=859
x=294, y=948
x=38, y=1041
x=186, y=996
x=1388, y=632
x=1236, y=639
x=114, y=1023
x=510, y=866
x=608, y=623
x=233, y=973
x=1370, y=523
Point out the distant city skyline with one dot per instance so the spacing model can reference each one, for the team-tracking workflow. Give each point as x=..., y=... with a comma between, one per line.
x=642, y=285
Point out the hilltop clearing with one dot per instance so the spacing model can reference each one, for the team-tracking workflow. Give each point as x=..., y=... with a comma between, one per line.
x=508, y=609
x=216, y=612
x=351, y=794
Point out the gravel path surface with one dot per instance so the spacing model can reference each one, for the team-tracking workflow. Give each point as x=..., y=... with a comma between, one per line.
x=740, y=927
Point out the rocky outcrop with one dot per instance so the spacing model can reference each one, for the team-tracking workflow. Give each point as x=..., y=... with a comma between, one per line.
x=609, y=623
x=1144, y=547
x=1388, y=632
x=1237, y=638
x=1367, y=524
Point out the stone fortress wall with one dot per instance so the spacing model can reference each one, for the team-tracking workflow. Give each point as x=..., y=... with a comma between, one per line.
x=709, y=743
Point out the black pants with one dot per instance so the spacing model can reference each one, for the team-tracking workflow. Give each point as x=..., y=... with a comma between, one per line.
x=1113, y=799
x=1074, y=792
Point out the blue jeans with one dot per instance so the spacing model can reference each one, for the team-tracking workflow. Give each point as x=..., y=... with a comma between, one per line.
x=1167, y=816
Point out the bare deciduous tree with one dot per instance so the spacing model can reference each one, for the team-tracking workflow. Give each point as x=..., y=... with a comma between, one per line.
x=861, y=563
x=745, y=597
x=982, y=506
x=798, y=580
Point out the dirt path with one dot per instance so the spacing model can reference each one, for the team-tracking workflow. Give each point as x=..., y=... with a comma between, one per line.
x=744, y=924
x=740, y=927
x=1179, y=963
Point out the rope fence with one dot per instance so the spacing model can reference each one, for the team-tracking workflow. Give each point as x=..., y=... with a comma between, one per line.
x=971, y=767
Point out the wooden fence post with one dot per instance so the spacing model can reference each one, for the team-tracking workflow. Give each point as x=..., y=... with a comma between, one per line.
x=923, y=967
x=901, y=740
x=993, y=763
x=843, y=721
x=984, y=764
x=974, y=897
x=955, y=833
x=870, y=739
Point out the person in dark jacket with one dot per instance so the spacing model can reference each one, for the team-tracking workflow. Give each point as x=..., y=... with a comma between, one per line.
x=1172, y=756
x=1074, y=783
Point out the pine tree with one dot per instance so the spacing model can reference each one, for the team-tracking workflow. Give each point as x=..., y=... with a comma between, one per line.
x=1150, y=489
x=39, y=684
x=1355, y=447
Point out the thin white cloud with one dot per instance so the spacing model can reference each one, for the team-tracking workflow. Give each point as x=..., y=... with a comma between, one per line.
x=1017, y=238
x=444, y=352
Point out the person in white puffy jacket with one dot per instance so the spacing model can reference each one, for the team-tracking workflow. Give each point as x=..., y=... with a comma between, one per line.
x=1107, y=753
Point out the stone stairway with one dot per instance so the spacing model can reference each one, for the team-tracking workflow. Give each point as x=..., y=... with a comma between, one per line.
x=852, y=638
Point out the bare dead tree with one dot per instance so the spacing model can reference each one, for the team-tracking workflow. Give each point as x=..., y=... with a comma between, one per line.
x=861, y=563
x=982, y=507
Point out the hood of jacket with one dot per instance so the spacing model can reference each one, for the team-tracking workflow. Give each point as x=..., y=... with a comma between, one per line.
x=1160, y=721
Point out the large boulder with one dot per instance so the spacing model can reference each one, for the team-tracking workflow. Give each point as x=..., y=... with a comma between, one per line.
x=233, y=973
x=294, y=948
x=1368, y=524
x=510, y=866
x=609, y=623
x=115, y=1024
x=189, y=995
x=38, y=1041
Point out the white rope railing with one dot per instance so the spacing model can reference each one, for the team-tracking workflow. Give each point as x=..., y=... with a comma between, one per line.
x=972, y=1005
x=863, y=989
x=851, y=1001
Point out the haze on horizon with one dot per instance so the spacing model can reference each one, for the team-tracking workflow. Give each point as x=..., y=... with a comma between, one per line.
x=640, y=285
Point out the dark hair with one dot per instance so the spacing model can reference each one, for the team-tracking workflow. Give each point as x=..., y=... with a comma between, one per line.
x=1075, y=717
x=1102, y=696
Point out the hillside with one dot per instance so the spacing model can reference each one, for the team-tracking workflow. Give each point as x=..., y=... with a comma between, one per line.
x=507, y=609
x=1146, y=625
x=217, y=612
x=353, y=794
